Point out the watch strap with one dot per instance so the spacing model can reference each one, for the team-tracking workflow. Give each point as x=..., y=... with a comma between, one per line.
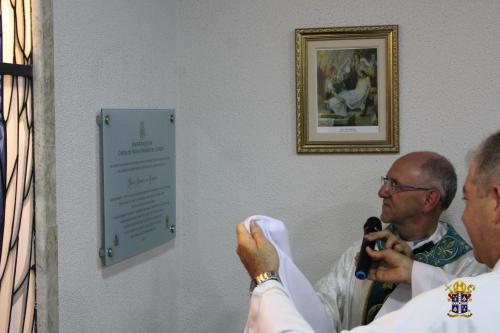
x=263, y=277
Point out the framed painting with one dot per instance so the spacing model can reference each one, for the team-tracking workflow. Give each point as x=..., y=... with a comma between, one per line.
x=347, y=89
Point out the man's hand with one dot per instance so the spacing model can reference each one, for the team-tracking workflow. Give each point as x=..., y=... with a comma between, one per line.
x=391, y=242
x=390, y=266
x=256, y=253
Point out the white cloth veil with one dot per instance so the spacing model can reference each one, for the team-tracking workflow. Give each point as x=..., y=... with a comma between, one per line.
x=295, y=283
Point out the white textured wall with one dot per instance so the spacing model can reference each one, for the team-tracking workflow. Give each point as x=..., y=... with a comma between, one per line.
x=233, y=87
x=108, y=54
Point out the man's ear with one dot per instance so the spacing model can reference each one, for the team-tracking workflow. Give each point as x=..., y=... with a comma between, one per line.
x=495, y=197
x=432, y=199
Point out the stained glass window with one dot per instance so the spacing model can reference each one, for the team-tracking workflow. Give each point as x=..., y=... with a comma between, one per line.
x=17, y=230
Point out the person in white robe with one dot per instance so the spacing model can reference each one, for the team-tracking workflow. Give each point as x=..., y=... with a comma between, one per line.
x=429, y=312
x=463, y=305
x=303, y=295
x=347, y=100
x=430, y=180
x=346, y=298
x=417, y=188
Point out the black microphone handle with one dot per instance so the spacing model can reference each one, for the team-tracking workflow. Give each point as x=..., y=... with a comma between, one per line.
x=364, y=260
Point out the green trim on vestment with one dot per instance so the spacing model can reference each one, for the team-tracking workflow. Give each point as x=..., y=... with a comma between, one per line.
x=448, y=249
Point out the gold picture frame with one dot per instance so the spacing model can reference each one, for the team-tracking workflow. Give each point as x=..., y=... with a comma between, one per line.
x=347, y=95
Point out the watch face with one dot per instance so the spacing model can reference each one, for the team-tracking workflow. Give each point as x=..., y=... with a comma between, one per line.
x=262, y=277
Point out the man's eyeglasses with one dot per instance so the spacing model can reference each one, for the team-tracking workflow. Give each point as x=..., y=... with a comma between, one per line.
x=393, y=186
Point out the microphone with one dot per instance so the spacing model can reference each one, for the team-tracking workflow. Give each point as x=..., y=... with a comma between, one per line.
x=372, y=224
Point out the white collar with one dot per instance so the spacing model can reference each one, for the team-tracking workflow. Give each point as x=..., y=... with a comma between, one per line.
x=440, y=231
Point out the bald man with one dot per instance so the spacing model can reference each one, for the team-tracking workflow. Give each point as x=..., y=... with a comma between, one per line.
x=465, y=305
x=417, y=188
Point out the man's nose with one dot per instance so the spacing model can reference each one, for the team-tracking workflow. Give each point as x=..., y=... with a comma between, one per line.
x=383, y=191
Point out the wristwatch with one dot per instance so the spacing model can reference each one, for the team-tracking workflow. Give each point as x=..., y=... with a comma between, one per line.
x=263, y=277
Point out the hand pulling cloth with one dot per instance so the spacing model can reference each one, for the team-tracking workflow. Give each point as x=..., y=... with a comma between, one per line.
x=295, y=283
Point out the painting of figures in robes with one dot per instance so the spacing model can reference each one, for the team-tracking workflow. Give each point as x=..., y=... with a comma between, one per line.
x=347, y=87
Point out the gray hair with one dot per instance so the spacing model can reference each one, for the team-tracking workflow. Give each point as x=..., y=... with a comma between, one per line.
x=487, y=162
x=442, y=173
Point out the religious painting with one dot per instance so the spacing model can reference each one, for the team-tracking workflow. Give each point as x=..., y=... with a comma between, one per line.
x=347, y=89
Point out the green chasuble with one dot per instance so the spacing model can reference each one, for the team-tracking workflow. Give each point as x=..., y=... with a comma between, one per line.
x=448, y=249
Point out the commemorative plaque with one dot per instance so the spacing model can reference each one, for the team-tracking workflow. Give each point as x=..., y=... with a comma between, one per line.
x=137, y=150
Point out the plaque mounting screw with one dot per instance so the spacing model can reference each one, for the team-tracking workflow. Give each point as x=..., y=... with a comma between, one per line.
x=172, y=118
x=109, y=252
x=107, y=120
x=172, y=228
